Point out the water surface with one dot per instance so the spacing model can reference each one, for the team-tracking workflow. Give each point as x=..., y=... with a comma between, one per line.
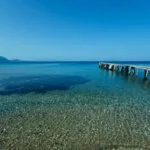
x=72, y=106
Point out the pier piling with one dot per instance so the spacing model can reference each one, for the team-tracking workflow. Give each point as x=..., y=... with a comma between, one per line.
x=146, y=71
x=127, y=70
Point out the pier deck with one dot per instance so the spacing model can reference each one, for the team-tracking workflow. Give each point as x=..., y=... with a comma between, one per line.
x=126, y=68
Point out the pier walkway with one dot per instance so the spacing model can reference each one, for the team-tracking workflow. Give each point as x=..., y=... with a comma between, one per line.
x=128, y=69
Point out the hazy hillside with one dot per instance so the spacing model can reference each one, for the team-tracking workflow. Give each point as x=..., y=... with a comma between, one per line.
x=3, y=59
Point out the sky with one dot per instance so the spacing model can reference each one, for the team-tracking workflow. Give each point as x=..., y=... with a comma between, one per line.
x=75, y=29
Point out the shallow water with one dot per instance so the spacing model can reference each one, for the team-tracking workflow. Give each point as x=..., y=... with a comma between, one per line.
x=72, y=106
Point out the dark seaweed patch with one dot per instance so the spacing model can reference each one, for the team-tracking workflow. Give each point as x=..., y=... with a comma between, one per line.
x=40, y=84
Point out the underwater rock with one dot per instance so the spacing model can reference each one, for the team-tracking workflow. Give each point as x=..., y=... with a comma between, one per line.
x=37, y=83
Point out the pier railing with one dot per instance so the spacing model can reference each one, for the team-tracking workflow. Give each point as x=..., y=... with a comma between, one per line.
x=128, y=69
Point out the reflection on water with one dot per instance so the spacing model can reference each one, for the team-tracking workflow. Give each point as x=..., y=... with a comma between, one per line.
x=127, y=78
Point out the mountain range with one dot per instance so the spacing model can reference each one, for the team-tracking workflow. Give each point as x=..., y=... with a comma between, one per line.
x=5, y=60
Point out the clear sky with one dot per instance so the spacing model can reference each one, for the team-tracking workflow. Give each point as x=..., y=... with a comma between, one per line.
x=75, y=29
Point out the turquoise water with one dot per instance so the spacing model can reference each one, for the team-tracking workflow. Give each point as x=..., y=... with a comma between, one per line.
x=72, y=106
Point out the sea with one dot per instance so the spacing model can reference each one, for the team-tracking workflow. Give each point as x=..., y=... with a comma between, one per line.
x=72, y=106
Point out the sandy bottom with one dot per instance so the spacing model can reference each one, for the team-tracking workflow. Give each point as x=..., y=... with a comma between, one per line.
x=73, y=120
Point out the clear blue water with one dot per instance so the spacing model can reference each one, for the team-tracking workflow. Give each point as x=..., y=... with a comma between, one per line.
x=82, y=103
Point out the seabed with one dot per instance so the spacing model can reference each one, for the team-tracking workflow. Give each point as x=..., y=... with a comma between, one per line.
x=68, y=120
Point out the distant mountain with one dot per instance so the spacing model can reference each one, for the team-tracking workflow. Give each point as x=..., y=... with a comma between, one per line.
x=15, y=60
x=3, y=59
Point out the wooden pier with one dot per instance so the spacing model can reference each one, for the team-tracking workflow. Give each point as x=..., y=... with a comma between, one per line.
x=128, y=69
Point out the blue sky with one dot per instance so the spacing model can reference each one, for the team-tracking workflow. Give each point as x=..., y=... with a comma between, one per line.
x=75, y=29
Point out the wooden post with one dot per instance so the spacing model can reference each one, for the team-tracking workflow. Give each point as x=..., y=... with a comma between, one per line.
x=146, y=74
x=137, y=71
x=100, y=65
x=110, y=67
x=114, y=69
x=117, y=68
x=104, y=66
x=107, y=66
x=132, y=71
x=127, y=70
x=122, y=69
